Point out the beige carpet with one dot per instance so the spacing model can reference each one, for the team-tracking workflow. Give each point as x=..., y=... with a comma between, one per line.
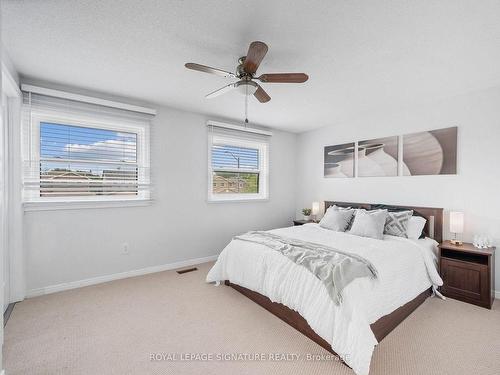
x=113, y=328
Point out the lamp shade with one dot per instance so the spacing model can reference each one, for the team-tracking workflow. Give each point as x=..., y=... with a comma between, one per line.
x=315, y=208
x=456, y=222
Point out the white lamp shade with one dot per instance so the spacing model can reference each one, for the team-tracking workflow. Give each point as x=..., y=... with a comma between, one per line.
x=315, y=208
x=456, y=222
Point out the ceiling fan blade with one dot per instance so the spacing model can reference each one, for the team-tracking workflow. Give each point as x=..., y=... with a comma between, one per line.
x=261, y=95
x=208, y=69
x=284, y=78
x=221, y=91
x=256, y=53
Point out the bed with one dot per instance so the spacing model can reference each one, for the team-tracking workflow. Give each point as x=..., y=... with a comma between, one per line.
x=370, y=309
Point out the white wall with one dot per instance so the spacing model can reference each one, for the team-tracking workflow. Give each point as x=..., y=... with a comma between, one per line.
x=475, y=189
x=14, y=254
x=3, y=225
x=69, y=245
x=7, y=64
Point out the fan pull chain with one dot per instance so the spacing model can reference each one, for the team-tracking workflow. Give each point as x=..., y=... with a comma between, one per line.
x=246, y=105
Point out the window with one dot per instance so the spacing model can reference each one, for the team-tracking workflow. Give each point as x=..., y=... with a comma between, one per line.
x=238, y=165
x=84, y=157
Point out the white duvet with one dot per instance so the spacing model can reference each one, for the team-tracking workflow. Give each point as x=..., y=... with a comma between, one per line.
x=405, y=269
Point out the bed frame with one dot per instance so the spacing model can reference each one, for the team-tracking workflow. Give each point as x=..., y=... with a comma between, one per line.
x=383, y=326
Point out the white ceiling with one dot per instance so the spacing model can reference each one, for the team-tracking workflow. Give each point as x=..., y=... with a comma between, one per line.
x=360, y=55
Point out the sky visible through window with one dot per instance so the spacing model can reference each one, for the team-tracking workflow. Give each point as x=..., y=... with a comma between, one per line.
x=86, y=149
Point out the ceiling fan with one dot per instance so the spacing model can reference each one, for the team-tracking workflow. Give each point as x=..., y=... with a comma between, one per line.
x=245, y=72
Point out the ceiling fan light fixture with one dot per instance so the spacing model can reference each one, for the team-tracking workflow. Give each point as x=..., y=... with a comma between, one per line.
x=246, y=87
x=246, y=73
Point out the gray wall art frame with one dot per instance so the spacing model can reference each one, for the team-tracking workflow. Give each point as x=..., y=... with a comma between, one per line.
x=432, y=152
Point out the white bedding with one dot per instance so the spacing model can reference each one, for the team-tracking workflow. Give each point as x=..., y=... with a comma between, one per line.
x=405, y=267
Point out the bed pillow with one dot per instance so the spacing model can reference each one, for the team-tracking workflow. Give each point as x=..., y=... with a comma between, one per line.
x=336, y=220
x=337, y=208
x=396, y=223
x=415, y=228
x=369, y=224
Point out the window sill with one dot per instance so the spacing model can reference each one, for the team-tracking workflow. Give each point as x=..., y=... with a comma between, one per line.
x=78, y=205
x=236, y=200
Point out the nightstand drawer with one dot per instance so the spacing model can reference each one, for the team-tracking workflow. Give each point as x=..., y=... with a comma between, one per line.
x=465, y=280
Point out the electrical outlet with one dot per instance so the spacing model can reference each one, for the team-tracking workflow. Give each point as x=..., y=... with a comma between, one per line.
x=125, y=249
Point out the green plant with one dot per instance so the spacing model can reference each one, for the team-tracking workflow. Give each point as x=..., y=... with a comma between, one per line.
x=306, y=211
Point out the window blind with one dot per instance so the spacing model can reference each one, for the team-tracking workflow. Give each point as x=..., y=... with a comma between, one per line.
x=82, y=151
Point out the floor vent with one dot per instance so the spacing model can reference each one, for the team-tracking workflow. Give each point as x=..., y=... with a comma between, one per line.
x=180, y=272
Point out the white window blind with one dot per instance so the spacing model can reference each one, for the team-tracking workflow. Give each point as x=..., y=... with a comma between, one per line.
x=84, y=152
x=238, y=164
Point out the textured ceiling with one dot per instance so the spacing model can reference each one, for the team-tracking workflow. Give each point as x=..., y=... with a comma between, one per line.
x=361, y=56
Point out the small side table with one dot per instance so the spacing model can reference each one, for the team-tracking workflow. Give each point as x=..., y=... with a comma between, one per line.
x=468, y=273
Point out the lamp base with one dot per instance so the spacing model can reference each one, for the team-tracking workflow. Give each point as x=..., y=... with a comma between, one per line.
x=456, y=242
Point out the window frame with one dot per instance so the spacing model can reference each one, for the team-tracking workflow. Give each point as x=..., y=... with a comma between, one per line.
x=31, y=151
x=263, y=170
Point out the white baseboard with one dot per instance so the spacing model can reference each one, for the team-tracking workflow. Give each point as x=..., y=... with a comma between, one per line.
x=497, y=294
x=116, y=276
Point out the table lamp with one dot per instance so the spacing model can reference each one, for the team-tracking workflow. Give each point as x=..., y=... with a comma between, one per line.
x=456, y=226
x=315, y=210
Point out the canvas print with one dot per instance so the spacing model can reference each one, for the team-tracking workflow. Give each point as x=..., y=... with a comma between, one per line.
x=339, y=160
x=430, y=153
x=378, y=157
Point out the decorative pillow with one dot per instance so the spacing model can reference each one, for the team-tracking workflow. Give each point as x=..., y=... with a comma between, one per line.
x=396, y=223
x=336, y=220
x=369, y=224
x=415, y=227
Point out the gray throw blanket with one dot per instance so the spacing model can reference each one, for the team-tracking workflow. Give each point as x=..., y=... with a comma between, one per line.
x=335, y=269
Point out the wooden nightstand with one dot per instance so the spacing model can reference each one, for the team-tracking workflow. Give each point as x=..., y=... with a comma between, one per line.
x=468, y=273
x=302, y=222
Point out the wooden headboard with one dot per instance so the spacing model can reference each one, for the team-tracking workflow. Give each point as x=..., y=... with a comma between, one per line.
x=434, y=216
